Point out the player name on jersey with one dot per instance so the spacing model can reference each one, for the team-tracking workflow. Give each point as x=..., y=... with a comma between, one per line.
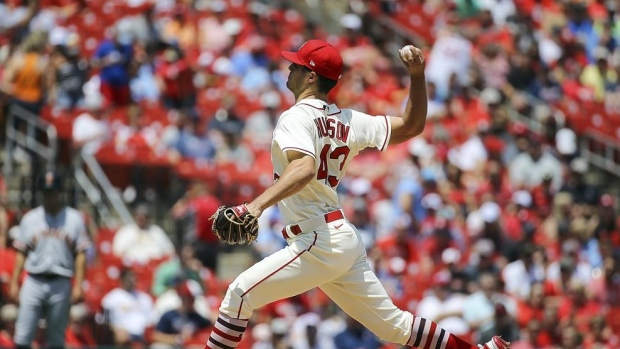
x=53, y=233
x=326, y=128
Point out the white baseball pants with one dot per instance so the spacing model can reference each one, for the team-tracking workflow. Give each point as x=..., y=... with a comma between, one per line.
x=332, y=257
x=41, y=296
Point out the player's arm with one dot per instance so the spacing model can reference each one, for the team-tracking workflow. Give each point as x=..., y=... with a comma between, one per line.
x=298, y=173
x=81, y=246
x=413, y=119
x=80, y=268
x=22, y=244
x=20, y=259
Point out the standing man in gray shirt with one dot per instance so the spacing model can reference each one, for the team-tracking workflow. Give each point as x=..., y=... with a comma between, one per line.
x=51, y=247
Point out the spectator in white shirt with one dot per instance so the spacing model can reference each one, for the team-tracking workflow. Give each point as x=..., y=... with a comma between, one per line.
x=566, y=143
x=470, y=155
x=530, y=167
x=216, y=33
x=443, y=306
x=570, y=264
x=479, y=308
x=501, y=10
x=142, y=241
x=520, y=275
x=451, y=54
x=129, y=310
x=90, y=129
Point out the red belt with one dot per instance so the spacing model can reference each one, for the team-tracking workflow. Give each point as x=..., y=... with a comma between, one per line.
x=329, y=217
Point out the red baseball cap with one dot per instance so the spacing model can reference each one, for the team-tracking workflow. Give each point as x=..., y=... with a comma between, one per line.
x=318, y=56
x=184, y=291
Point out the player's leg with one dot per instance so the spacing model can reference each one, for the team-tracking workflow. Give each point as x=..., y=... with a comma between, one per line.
x=308, y=261
x=58, y=305
x=361, y=295
x=31, y=298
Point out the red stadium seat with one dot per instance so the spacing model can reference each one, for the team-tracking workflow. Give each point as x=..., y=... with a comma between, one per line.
x=103, y=241
x=613, y=319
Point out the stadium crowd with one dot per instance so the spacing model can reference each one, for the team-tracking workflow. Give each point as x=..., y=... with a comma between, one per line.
x=479, y=224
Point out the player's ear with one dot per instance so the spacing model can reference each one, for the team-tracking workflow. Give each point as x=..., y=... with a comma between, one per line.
x=312, y=77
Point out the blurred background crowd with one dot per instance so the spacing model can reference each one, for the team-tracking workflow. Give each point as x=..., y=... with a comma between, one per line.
x=493, y=221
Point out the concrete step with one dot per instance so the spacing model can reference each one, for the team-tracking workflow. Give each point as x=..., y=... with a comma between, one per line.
x=326, y=13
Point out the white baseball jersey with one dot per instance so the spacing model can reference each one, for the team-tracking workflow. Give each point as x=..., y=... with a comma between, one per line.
x=333, y=137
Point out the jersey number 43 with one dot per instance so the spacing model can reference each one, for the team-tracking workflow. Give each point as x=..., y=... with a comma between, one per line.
x=339, y=154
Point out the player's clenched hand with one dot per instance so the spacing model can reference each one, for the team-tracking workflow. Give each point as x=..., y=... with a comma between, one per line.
x=413, y=59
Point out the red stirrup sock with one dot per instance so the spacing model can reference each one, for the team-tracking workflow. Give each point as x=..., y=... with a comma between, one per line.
x=226, y=333
x=426, y=334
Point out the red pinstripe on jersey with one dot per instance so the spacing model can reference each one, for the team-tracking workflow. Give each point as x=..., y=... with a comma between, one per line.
x=389, y=131
x=299, y=150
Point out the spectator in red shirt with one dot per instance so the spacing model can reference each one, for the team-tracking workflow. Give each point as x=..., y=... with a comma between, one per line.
x=78, y=333
x=175, y=78
x=440, y=241
x=578, y=307
x=197, y=206
x=515, y=214
x=600, y=335
x=399, y=243
x=549, y=327
x=7, y=256
x=533, y=307
x=529, y=336
x=495, y=182
x=543, y=194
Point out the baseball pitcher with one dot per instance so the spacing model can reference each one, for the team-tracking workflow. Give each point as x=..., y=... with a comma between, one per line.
x=313, y=143
x=51, y=247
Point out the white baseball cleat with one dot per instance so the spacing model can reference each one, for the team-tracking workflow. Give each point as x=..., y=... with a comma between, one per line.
x=495, y=343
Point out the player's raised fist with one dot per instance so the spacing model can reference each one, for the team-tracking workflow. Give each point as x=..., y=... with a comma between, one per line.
x=413, y=59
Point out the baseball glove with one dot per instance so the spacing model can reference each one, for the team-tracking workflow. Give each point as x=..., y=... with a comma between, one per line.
x=234, y=225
